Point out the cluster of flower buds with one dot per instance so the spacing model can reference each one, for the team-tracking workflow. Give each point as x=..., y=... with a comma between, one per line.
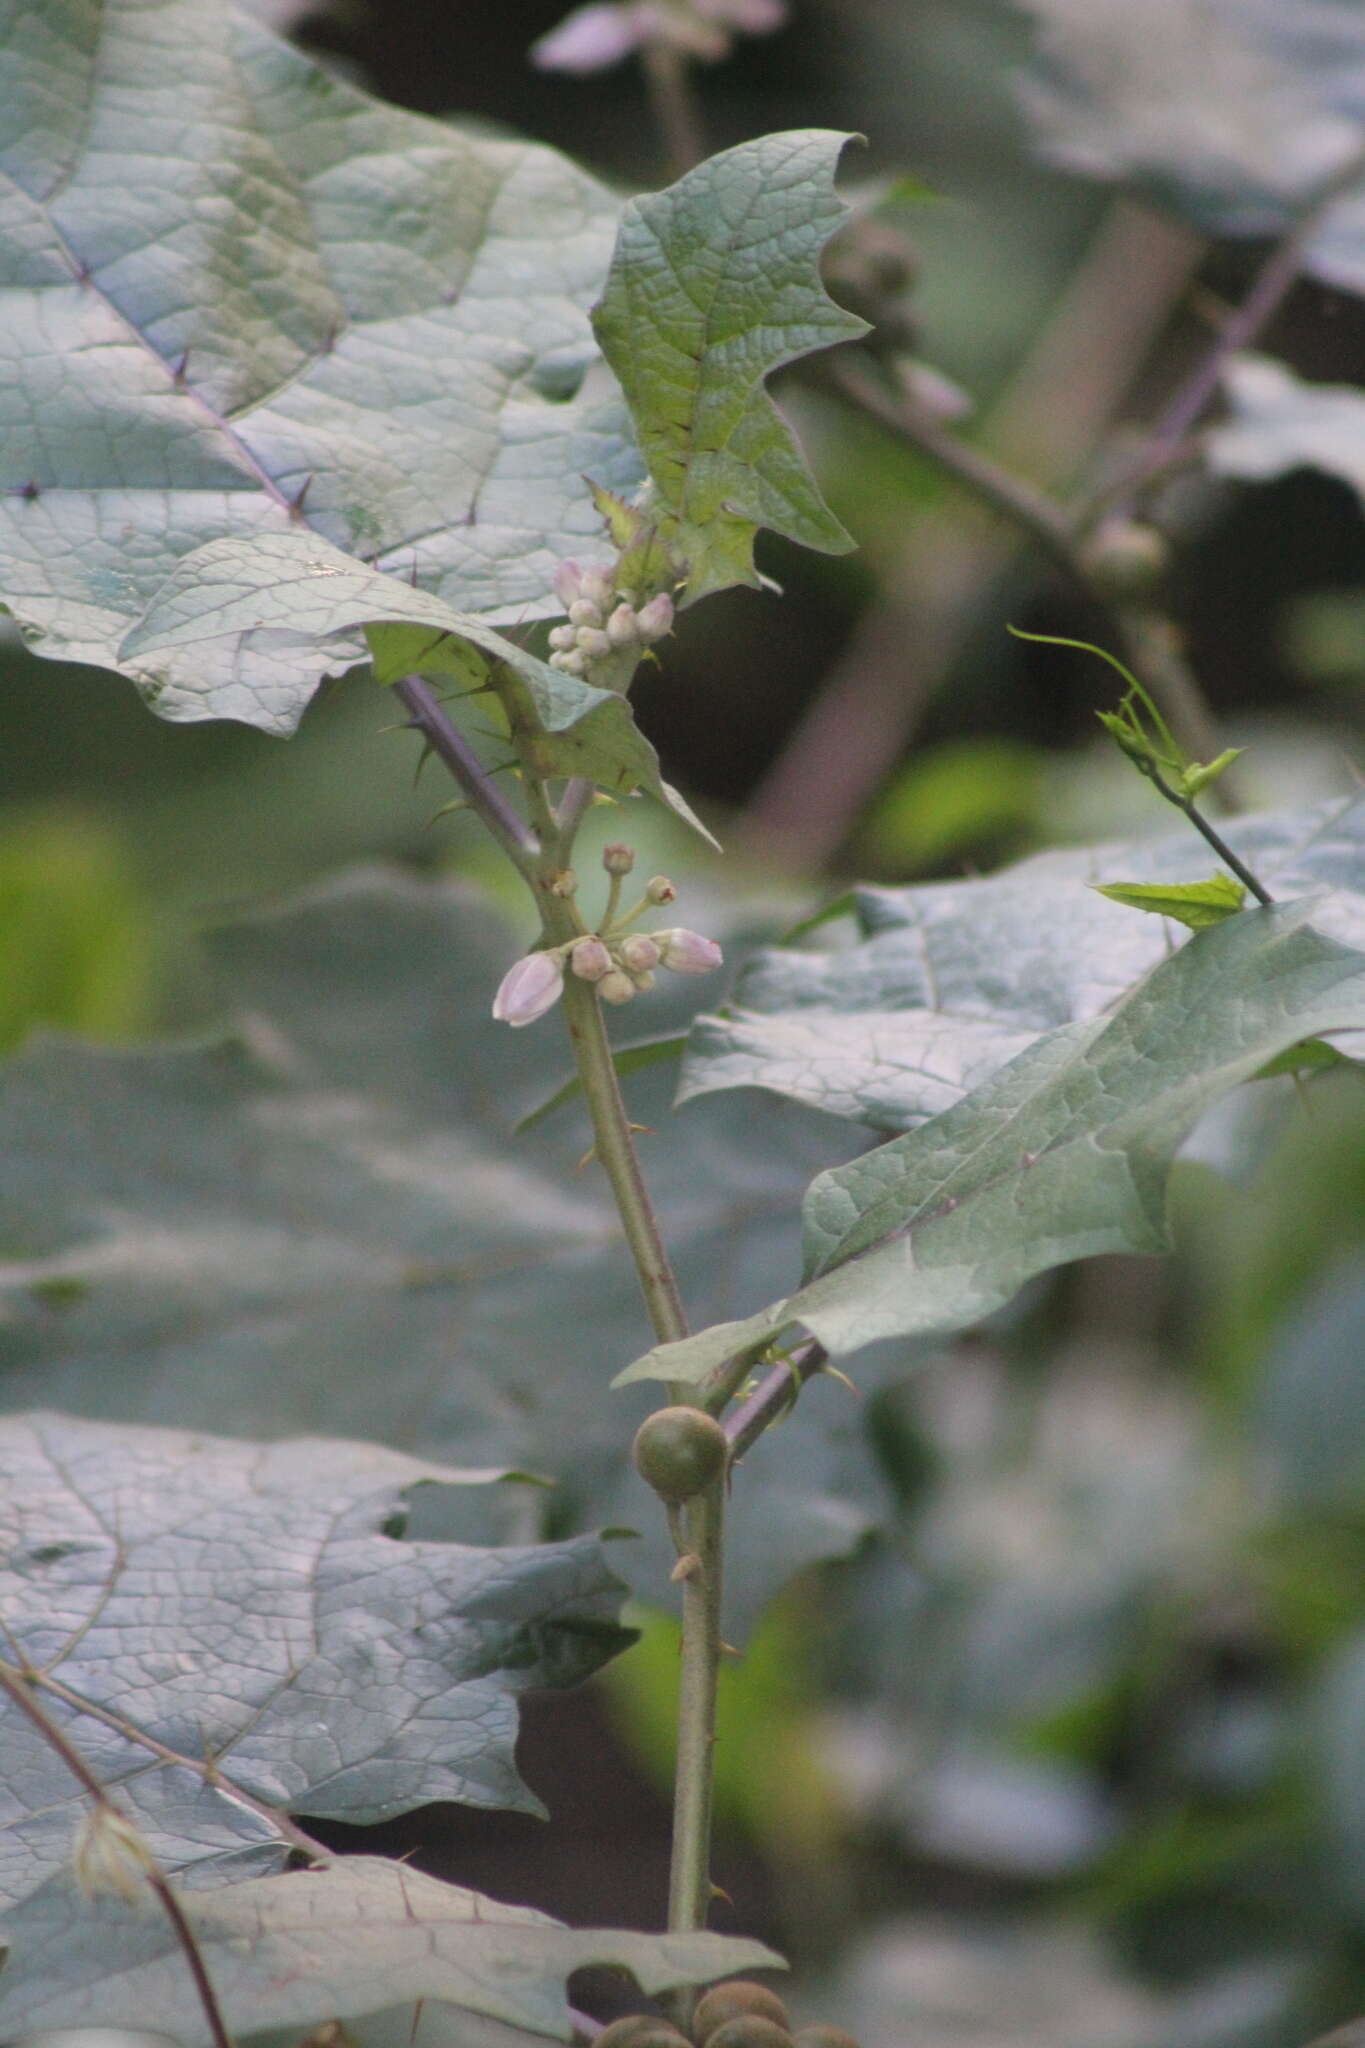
x=605, y=31
x=603, y=622
x=620, y=963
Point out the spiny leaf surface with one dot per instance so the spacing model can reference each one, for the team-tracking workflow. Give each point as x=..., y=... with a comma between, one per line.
x=351, y=1938
x=713, y=286
x=238, y=297
x=1062, y=1155
x=228, y=1631
x=949, y=980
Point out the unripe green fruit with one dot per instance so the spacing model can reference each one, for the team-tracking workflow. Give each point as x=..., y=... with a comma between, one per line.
x=640, y=2030
x=678, y=1451
x=737, y=2000
x=823, y=2037
x=750, y=2031
x=1125, y=559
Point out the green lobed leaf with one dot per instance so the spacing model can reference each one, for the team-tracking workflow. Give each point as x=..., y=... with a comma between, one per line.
x=228, y=1631
x=238, y=298
x=713, y=286
x=1280, y=423
x=1063, y=1154
x=949, y=980
x=352, y=1938
x=1240, y=113
x=321, y=1222
x=1195, y=904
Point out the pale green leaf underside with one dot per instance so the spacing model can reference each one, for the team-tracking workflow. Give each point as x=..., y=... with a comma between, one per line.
x=230, y=285
x=194, y=1600
x=1063, y=1154
x=1279, y=423
x=322, y=1223
x=949, y=980
x=1238, y=112
x=299, y=592
x=335, y=1943
x=714, y=285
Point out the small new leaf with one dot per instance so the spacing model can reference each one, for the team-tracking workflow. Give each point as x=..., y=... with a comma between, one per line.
x=713, y=286
x=1195, y=904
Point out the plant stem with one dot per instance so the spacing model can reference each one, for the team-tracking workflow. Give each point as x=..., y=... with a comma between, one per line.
x=674, y=106
x=689, y=1884
x=1214, y=838
x=427, y=716
x=18, y=1690
x=771, y=1398
x=1269, y=289
x=615, y=1149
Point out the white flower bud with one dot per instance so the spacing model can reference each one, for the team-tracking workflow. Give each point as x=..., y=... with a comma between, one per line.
x=110, y=1857
x=687, y=952
x=598, y=588
x=572, y=664
x=616, y=987
x=617, y=858
x=589, y=39
x=562, y=638
x=529, y=989
x=622, y=627
x=655, y=618
x=643, y=983
x=582, y=612
x=590, y=959
x=638, y=953
x=661, y=890
x=593, y=644
x=568, y=581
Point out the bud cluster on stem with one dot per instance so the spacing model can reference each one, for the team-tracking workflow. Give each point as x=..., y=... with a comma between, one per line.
x=607, y=629
x=618, y=961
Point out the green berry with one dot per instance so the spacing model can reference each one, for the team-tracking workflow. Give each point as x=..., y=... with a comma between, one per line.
x=678, y=1451
x=640, y=2030
x=741, y=1998
x=752, y=2030
x=823, y=2037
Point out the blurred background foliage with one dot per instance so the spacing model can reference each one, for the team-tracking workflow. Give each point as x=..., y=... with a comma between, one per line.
x=1073, y=1752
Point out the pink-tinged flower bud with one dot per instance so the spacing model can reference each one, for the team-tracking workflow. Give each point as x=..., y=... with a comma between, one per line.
x=583, y=612
x=655, y=619
x=598, y=588
x=529, y=989
x=590, y=959
x=687, y=952
x=661, y=890
x=617, y=858
x=568, y=581
x=638, y=954
x=623, y=629
x=593, y=644
x=616, y=987
x=589, y=39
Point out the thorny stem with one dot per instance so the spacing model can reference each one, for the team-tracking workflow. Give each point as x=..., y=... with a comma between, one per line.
x=771, y=1398
x=427, y=716
x=56, y=1740
x=614, y=1146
